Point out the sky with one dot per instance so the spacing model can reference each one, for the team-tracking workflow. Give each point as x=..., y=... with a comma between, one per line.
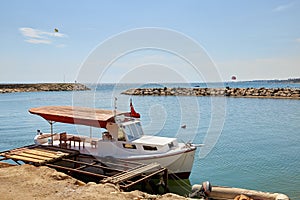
x=249, y=39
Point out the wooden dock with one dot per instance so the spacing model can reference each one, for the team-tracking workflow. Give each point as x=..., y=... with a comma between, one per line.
x=87, y=168
x=124, y=179
x=36, y=155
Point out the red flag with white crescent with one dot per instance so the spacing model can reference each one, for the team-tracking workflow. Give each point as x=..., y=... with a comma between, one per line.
x=133, y=113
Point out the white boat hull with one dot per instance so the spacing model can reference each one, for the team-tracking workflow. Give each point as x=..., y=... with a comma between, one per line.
x=179, y=161
x=179, y=164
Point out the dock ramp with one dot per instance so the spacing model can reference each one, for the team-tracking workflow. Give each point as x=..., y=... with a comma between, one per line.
x=132, y=177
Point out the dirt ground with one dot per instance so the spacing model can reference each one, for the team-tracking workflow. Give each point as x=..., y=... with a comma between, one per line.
x=30, y=182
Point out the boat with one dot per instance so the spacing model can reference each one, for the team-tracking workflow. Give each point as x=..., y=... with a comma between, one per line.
x=221, y=193
x=207, y=191
x=120, y=136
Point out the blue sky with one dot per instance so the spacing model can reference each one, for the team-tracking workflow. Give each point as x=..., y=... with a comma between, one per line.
x=250, y=39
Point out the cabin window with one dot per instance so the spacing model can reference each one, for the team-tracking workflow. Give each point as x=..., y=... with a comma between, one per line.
x=133, y=131
x=171, y=145
x=139, y=128
x=129, y=146
x=150, y=148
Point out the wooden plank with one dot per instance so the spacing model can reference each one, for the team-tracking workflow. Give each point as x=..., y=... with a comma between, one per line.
x=35, y=156
x=16, y=151
x=144, y=178
x=137, y=171
x=132, y=173
x=41, y=153
x=22, y=158
x=58, y=151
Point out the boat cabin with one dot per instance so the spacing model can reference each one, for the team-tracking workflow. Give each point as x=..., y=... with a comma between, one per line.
x=129, y=136
x=127, y=131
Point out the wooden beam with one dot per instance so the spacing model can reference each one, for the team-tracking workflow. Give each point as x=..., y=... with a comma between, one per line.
x=27, y=159
x=45, y=154
x=91, y=165
x=133, y=173
x=35, y=156
x=144, y=178
x=76, y=170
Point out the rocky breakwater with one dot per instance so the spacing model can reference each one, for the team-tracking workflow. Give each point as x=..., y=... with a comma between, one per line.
x=228, y=92
x=9, y=88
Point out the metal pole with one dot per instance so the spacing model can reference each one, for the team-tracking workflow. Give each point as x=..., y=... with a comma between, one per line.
x=51, y=127
x=51, y=130
x=91, y=134
x=115, y=108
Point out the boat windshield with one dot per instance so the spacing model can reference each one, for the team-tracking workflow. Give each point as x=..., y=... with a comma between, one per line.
x=133, y=130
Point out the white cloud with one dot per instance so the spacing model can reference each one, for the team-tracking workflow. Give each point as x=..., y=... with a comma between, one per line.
x=282, y=7
x=38, y=41
x=30, y=32
x=35, y=36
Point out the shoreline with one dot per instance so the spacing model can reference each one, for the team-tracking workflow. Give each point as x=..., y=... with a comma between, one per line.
x=279, y=93
x=42, y=87
x=30, y=182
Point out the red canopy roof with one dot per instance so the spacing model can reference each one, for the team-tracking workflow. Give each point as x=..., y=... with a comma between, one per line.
x=76, y=115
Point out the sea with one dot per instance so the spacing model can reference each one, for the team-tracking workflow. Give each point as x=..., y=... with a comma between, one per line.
x=251, y=143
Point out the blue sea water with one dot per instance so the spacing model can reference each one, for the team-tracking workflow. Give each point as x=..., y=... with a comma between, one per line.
x=258, y=146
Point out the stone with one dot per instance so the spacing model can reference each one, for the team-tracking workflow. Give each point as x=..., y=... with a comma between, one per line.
x=237, y=92
x=60, y=176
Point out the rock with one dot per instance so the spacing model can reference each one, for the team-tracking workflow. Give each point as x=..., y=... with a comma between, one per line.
x=236, y=92
x=91, y=183
x=79, y=183
x=8, y=88
x=59, y=176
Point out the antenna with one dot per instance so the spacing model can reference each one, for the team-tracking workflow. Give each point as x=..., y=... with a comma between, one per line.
x=115, y=107
x=117, y=119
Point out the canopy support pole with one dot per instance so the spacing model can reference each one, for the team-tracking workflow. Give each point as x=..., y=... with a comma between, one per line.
x=51, y=130
x=115, y=108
